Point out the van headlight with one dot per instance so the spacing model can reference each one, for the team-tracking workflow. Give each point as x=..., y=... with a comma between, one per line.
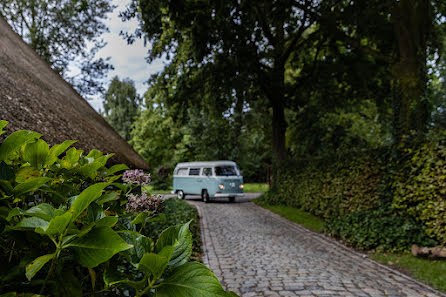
x=241, y=186
x=221, y=187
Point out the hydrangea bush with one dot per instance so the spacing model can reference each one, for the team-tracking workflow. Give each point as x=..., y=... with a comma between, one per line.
x=69, y=228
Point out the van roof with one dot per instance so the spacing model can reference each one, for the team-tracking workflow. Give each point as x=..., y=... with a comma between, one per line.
x=205, y=163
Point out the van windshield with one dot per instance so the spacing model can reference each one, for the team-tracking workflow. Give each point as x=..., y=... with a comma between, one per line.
x=226, y=171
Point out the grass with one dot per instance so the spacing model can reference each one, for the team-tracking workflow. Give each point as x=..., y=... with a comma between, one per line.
x=432, y=272
x=152, y=191
x=255, y=188
x=295, y=215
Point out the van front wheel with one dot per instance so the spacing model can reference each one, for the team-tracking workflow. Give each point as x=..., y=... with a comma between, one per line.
x=205, y=196
x=180, y=194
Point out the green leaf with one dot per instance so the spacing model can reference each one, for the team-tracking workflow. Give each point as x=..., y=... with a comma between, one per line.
x=30, y=186
x=90, y=169
x=116, y=168
x=43, y=211
x=2, y=125
x=57, y=150
x=98, y=246
x=192, y=279
x=30, y=223
x=122, y=187
x=107, y=221
x=15, y=141
x=95, y=212
x=36, y=153
x=140, y=218
x=71, y=158
x=26, y=174
x=56, y=226
x=183, y=250
x=34, y=267
x=155, y=264
x=94, y=154
x=7, y=187
x=141, y=244
x=108, y=197
x=112, y=276
x=84, y=199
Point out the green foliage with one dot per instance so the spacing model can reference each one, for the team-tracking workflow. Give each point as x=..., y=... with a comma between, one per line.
x=64, y=230
x=121, y=103
x=420, y=185
x=329, y=188
x=162, y=179
x=382, y=228
x=176, y=212
x=62, y=32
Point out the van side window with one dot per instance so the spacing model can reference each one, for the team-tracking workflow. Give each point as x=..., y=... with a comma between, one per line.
x=182, y=171
x=207, y=171
x=225, y=171
x=194, y=171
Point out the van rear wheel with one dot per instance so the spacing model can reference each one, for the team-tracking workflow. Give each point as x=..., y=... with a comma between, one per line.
x=205, y=196
x=180, y=195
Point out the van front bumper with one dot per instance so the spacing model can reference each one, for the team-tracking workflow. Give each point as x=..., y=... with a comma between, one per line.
x=223, y=195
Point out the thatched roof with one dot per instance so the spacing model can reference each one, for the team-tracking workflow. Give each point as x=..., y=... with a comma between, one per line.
x=34, y=97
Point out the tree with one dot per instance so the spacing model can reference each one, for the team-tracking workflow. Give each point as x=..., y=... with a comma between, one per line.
x=403, y=35
x=62, y=32
x=121, y=104
x=247, y=40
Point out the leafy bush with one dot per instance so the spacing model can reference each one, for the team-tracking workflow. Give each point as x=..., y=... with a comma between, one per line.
x=348, y=193
x=64, y=230
x=329, y=189
x=177, y=211
x=420, y=185
x=380, y=228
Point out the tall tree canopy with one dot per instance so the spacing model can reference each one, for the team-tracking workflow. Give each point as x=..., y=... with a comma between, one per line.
x=121, y=105
x=243, y=43
x=62, y=32
x=334, y=75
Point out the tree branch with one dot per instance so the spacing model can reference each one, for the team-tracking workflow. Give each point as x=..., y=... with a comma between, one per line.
x=264, y=26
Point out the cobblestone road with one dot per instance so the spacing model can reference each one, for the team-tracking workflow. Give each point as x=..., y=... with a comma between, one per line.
x=257, y=253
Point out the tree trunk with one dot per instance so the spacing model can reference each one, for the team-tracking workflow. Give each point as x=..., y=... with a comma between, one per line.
x=412, y=23
x=279, y=125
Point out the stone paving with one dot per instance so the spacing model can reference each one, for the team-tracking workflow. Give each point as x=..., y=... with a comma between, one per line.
x=255, y=252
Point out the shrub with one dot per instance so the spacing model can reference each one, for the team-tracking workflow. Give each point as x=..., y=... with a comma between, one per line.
x=420, y=185
x=382, y=228
x=177, y=211
x=64, y=230
x=329, y=189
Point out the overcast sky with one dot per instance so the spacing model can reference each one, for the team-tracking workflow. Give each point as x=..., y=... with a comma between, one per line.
x=128, y=60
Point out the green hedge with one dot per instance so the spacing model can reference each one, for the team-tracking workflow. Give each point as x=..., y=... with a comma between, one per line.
x=373, y=200
x=382, y=229
x=420, y=185
x=329, y=189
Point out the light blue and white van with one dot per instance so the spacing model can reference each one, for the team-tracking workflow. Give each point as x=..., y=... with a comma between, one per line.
x=211, y=179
